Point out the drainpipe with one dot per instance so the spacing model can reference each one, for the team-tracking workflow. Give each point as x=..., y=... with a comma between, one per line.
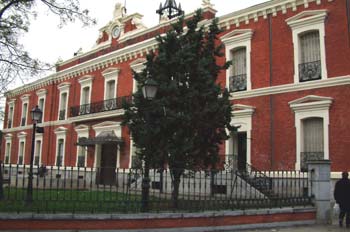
x=271, y=99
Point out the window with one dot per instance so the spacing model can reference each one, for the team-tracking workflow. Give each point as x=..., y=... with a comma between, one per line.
x=60, y=145
x=8, y=153
x=82, y=132
x=41, y=102
x=137, y=66
x=110, y=91
x=238, y=49
x=238, y=77
x=63, y=103
x=111, y=80
x=312, y=132
x=85, y=94
x=37, y=154
x=21, y=153
x=81, y=160
x=310, y=56
x=10, y=118
x=24, y=114
x=312, y=147
x=63, y=106
x=308, y=30
x=60, y=152
x=41, y=105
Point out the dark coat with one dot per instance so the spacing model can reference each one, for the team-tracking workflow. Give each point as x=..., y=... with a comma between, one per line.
x=342, y=194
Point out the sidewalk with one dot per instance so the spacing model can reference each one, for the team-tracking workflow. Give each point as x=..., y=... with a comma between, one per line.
x=311, y=228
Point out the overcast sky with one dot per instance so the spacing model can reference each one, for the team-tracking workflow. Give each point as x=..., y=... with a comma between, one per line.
x=48, y=43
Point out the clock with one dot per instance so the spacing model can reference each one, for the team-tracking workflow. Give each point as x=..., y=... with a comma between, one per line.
x=116, y=32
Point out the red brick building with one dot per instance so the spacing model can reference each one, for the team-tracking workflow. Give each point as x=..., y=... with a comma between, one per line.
x=289, y=83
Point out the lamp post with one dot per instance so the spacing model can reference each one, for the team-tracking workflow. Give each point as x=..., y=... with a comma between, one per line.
x=149, y=91
x=36, y=114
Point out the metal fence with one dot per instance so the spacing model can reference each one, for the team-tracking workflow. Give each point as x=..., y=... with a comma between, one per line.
x=104, y=190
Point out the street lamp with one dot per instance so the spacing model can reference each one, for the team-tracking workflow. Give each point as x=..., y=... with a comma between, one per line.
x=149, y=91
x=36, y=114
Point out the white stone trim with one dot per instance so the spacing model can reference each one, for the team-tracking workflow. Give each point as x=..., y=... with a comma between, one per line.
x=111, y=74
x=304, y=22
x=309, y=107
x=61, y=133
x=236, y=39
x=330, y=82
x=106, y=126
x=242, y=118
x=82, y=131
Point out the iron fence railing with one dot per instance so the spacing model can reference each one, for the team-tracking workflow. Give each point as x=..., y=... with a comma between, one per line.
x=101, y=106
x=238, y=83
x=110, y=190
x=62, y=115
x=310, y=71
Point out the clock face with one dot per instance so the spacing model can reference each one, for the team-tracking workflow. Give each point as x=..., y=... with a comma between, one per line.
x=116, y=32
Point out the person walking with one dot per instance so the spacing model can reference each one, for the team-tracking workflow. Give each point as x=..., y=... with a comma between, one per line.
x=342, y=197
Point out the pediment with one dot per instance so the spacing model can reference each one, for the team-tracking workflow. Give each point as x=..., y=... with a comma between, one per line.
x=310, y=99
x=237, y=107
x=22, y=134
x=61, y=129
x=111, y=72
x=81, y=127
x=237, y=35
x=138, y=62
x=307, y=16
x=106, y=124
x=86, y=78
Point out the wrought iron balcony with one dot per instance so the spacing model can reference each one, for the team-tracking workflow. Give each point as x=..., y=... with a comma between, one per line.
x=62, y=115
x=309, y=156
x=36, y=160
x=97, y=107
x=59, y=160
x=9, y=124
x=238, y=83
x=23, y=121
x=310, y=71
x=81, y=161
x=20, y=160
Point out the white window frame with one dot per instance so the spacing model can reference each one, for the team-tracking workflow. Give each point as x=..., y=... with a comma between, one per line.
x=22, y=138
x=82, y=131
x=63, y=88
x=61, y=133
x=303, y=22
x=137, y=66
x=8, y=149
x=242, y=118
x=111, y=74
x=236, y=39
x=11, y=103
x=310, y=106
x=84, y=82
x=38, y=137
x=42, y=95
x=25, y=100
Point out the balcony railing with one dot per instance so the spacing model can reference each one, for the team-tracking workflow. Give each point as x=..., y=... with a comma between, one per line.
x=309, y=156
x=310, y=71
x=9, y=124
x=238, y=83
x=81, y=161
x=62, y=115
x=23, y=121
x=97, y=107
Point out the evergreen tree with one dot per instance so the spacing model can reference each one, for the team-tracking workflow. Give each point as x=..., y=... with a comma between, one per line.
x=189, y=118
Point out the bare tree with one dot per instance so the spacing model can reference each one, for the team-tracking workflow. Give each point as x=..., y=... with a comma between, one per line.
x=15, y=16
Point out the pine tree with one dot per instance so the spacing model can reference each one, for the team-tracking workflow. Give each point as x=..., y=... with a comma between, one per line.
x=189, y=118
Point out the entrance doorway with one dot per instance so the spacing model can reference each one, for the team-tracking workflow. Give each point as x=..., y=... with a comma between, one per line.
x=108, y=164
